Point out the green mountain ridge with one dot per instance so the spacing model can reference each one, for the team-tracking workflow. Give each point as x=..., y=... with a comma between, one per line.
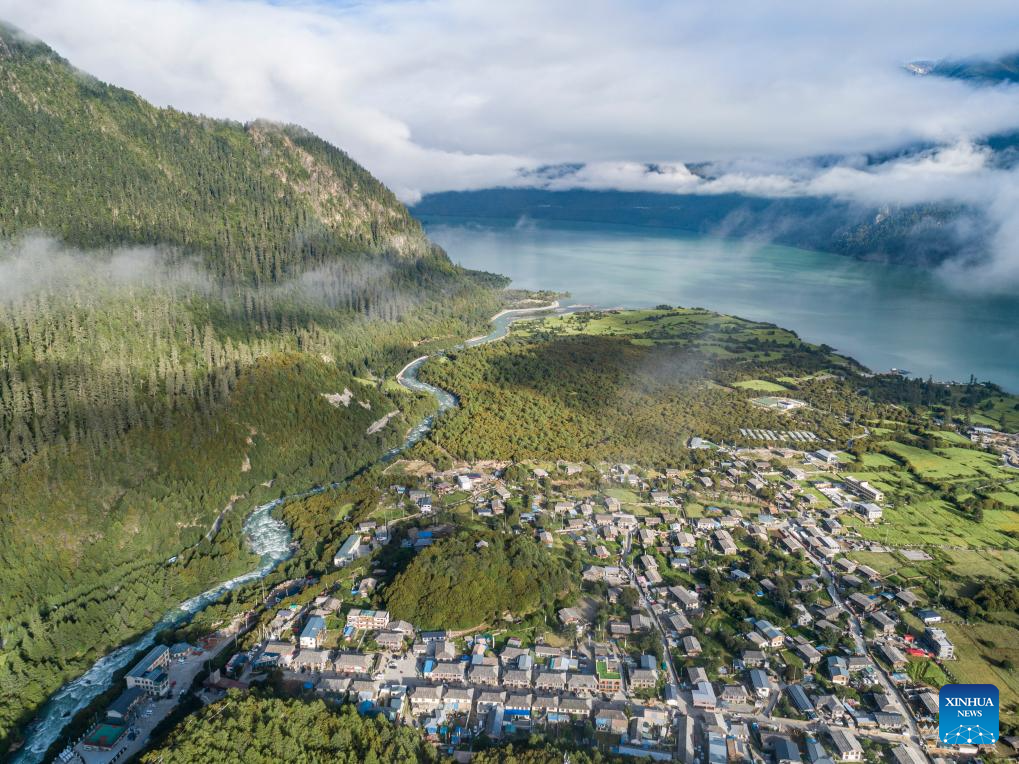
x=97, y=165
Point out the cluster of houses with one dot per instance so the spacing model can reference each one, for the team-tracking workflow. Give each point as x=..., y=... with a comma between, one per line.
x=442, y=684
x=454, y=687
x=1004, y=443
x=690, y=707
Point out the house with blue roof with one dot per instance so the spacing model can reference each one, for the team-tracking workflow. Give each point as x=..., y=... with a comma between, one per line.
x=313, y=633
x=838, y=670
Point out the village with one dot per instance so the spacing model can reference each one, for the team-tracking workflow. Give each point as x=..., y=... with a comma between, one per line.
x=722, y=617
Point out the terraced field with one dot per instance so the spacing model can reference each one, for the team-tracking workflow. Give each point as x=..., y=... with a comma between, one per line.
x=999, y=564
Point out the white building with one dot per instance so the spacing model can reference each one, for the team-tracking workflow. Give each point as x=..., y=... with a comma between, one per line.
x=863, y=489
x=149, y=673
x=872, y=512
x=349, y=551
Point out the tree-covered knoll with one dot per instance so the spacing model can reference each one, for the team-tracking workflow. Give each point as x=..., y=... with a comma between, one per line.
x=455, y=584
x=252, y=729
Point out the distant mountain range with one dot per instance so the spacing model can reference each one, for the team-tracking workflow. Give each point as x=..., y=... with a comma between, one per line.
x=923, y=235
x=993, y=71
x=919, y=234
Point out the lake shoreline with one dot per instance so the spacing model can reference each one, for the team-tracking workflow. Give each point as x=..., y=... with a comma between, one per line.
x=886, y=317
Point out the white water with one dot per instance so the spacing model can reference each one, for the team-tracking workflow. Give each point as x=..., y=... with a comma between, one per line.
x=267, y=537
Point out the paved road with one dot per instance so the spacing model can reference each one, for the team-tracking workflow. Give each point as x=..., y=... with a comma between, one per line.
x=862, y=648
x=782, y=723
x=646, y=603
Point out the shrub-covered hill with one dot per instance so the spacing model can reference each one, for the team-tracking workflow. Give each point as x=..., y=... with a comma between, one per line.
x=97, y=165
x=633, y=386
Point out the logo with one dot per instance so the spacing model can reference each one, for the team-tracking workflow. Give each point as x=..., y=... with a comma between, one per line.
x=968, y=714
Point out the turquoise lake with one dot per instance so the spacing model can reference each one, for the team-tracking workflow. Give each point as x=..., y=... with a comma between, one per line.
x=884, y=316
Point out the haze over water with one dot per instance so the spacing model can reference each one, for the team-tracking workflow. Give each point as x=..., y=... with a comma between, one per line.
x=884, y=316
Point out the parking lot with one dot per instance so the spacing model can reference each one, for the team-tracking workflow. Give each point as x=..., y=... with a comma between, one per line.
x=401, y=669
x=151, y=713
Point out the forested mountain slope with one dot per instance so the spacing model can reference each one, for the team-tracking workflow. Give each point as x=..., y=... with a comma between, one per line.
x=183, y=304
x=98, y=165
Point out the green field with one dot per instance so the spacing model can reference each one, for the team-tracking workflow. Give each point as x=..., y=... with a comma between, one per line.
x=978, y=648
x=1003, y=520
x=625, y=496
x=968, y=563
x=931, y=465
x=1008, y=498
x=875, y=461
x=761, y=385
x=692, y=510
x=981, y=462
x=930, y=672
x=884, y=563
x=951, y=436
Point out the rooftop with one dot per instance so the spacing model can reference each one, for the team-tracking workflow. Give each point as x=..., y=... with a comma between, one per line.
x=604, y=672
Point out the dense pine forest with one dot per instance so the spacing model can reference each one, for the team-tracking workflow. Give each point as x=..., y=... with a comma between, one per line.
x=257, y=729
x=265, y=729
x=184, y=303
x=96, y=165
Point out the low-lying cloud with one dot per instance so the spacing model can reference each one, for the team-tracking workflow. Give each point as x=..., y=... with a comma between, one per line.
x=38, y=267
x=38, y=263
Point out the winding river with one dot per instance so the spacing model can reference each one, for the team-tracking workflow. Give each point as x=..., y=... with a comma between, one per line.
x=267, y=537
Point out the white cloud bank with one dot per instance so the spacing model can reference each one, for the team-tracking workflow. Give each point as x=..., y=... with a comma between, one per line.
x=450, y=94
x=460, y=94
